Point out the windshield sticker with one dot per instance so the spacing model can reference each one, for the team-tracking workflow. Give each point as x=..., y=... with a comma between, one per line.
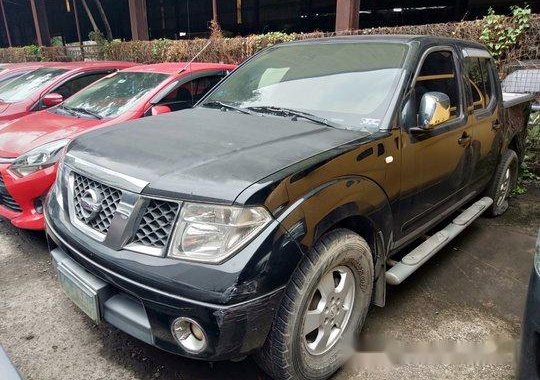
x=375, y=123
x=272, y=76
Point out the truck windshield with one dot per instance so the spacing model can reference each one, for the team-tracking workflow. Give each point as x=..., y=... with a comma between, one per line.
x=26, y=85
x=349, y=84
x=113, y=95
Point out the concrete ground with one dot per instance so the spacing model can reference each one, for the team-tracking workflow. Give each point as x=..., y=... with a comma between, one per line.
x=472, y=291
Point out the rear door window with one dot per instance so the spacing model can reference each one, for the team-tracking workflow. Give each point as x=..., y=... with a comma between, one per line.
x=480, y=82
x=200, y=86
x=189, y=93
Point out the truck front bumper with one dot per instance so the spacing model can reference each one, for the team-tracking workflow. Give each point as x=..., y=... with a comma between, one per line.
x=232, y=331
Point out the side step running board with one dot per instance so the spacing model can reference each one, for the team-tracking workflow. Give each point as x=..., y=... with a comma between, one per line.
x=418, y=256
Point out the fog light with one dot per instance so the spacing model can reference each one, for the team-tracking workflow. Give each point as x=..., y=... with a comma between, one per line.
x=38, y=205
x=189, y=335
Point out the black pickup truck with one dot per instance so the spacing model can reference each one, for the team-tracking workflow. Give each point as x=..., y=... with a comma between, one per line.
x=269, y=218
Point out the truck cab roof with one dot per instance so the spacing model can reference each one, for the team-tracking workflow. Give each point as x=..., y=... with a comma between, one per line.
x=423, y=40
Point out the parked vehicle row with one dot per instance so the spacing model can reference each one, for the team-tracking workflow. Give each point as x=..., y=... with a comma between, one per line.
x=268, y=219
x=56, y=112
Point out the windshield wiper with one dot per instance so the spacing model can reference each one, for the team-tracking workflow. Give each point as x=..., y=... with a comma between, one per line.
x=218, y=103
x=68, y=110
x=87, y=112
x=288, y=112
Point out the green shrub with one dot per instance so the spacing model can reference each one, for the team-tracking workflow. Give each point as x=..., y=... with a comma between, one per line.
x=32, y=53
x=501, y=34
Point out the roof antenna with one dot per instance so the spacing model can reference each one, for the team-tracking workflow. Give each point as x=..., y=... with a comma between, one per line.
x=195, y=57
x=189, y=34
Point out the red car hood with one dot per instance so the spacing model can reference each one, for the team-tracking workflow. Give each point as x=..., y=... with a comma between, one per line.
x=40, y=128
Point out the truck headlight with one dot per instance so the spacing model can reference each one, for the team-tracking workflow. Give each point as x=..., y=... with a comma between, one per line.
x=39, y=158
x=212, y=233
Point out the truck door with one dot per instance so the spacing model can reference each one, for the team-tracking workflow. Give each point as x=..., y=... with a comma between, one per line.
x=437, y=162
x=483, y=109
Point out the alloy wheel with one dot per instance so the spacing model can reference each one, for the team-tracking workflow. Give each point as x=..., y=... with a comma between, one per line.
x=329, y=310
x=504, y=188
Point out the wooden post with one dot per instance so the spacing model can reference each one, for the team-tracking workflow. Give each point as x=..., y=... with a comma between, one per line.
x=347, y=15
x=78, y=27
x=41, y=24
x=238, y=11
x=105, y=19
x=214, y=11
x=5, y=22
x=139, y=20
x=90, y=16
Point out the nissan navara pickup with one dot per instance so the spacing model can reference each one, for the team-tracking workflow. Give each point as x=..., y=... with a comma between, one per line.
x=269, y=218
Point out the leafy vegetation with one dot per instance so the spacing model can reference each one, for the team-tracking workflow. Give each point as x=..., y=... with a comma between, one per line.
x=272, y=38
x=97, y=37
x=57, y=41
x=500, y=34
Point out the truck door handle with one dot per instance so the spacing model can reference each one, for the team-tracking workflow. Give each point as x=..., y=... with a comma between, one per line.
x=496, y=125
x=464, y=140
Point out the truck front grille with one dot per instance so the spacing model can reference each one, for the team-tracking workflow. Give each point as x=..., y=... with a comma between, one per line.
x=109, y=196
x=156, y=224
x=6, y=199
x=118, y=217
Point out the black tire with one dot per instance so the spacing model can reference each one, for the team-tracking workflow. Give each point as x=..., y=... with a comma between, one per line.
x=507, y=172
x=285, y=354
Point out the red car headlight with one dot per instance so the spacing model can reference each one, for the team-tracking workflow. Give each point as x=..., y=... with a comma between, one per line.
x=38, y=158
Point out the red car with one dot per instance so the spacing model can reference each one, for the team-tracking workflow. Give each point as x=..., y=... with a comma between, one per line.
x=49, y=85
x=31, y=146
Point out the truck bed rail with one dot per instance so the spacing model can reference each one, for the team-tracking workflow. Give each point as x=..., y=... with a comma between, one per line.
x=511, y=99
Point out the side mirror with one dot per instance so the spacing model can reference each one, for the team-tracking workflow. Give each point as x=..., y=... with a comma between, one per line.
x=434, y=110
x=158, y=110
x=52, y=99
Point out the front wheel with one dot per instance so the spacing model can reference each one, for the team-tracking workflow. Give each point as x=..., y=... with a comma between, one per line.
x=503, y=182
x=323, y=310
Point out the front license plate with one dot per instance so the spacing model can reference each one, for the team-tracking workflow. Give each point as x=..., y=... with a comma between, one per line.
x=79, y=292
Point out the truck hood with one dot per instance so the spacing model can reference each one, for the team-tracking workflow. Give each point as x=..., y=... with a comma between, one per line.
x=206, y=154
x=39, y=128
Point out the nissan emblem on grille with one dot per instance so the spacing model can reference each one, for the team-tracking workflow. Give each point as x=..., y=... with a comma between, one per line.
x=94, y=203
x=91, y=204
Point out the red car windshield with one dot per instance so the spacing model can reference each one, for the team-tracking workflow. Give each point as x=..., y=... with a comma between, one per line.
x=113, y=95
x=26, y=85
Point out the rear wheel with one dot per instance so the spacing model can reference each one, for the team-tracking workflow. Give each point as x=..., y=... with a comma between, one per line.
x=323, y=310
x=502, y=183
